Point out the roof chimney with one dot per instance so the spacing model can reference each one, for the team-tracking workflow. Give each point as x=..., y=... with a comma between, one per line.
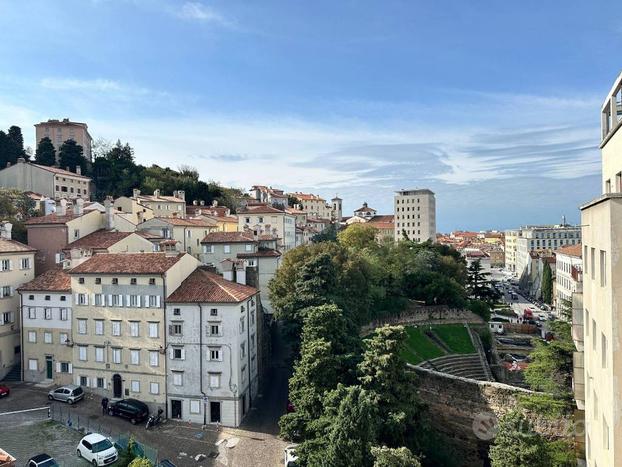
x=195, y=203
x=68, y=169
x=78, y=170
x=202, y=203
x=214, y=203
x=181, y=194
x=109, y=214
x=78, y=208
x=156, y=193
x=135, y=193
x=62, y=209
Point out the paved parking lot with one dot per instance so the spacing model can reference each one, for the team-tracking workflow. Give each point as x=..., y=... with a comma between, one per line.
x=25, y=434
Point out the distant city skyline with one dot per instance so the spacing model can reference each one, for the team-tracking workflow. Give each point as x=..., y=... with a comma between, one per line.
x=495, y=107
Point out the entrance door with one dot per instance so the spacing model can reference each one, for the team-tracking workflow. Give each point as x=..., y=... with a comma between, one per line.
x=214, y=412
x=176, y=408
x=117, y=386
x=48, y=367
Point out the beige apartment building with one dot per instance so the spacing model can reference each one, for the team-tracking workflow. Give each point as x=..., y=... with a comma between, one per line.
x=264, y=219
x=186, y=234
x=415, y=215
x=144, y=207
x=511, y=241
x=600, y=318
x=16, y=268
x=47, y=354
x=118, y=322
x=50, y=182
x=60, y=131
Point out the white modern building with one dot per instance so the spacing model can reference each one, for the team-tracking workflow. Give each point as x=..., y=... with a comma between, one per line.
x=568, y=274
x=415, y=215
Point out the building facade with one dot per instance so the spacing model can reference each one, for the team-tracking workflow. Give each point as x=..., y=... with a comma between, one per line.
x=16, y=268
x=59, y=131
x=511, y=239
x=568, y=275
x=212, y=354
x=268, y=220
x=415, y=215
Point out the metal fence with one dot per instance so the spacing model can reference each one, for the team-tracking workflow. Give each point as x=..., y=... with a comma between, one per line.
x=23, y=417
x=89, y=424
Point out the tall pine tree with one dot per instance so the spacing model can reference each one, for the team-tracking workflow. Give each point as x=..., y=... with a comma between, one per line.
x=70, y=155
x=46, y=154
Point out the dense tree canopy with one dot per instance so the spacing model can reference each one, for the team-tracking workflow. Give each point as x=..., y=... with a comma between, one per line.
x=358, y=237
x=547, y=284
x=16, y=207
x=394, y=457
x=517, y=445
x=11, y=146
x=45, y=153
x=70, y=155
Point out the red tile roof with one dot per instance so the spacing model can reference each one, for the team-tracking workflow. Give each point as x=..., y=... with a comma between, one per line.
x=53, y=280
x=570, y=250
x=228, y=237
x=52, y=219
x=100, y=239
x=188, y=222
x=58, y=171
x=203, y=286
x=13, y=246
x=261, y=209
x=127, y=263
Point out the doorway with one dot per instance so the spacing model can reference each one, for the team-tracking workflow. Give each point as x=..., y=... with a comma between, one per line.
x=117, y=386
x=214, y=412
x=48, y=367
x=175, y=408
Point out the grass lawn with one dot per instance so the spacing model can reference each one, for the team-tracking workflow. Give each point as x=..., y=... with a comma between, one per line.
x=419, y=347
x=456, y=337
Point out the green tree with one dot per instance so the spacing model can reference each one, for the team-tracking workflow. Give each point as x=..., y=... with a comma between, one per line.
x=517, y=445
x=70, y=156
x=478, y=282
x=140, y=462
x=15, y=136
x=551, y=364
x=11, y=146
x=394, y=457
x=45, y=154
x=546, y=285
x=115, y=173
x=329, y=234
x=358, y=237
x=383, y=371
x=292, y=200
x=16, y=207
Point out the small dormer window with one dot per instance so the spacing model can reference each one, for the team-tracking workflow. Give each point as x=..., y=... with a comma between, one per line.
x=98, y=280
x=152, y=281
x=115, y=281
x=213, y=312
x=133, y=281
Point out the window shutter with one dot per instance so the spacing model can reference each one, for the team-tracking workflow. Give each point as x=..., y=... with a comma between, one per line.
x=57, y=367
x=157, y=301
x=120, y=300
x=170, y=329
x=12, y=292
x=77, y=302
x=172, y=353
x=138, y=300
x=93, y=299
x=10, y=265
x=57, y=258
x=127, y=300
x=183, y=354
x=110, y=300
x=12, y=316
x=86, y=299
x=70, y=368
x=146, y=301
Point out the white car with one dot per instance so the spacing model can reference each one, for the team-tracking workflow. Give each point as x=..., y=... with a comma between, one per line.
x=290, y=456
x=97, y=449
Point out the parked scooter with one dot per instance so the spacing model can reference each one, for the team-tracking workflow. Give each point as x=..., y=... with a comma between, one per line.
x=154, y=420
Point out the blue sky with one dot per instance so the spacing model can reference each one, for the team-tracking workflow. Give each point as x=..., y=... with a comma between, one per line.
x=493, y=105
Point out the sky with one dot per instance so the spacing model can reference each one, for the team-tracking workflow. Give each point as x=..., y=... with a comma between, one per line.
x=493, y=105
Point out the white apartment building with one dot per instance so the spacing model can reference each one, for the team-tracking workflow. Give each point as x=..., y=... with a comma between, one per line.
x=46, y=328
x=543, y=238
x=511, y=239
x=212, y=349
x=17, y=263
x=268, y=220
x=415, y=215
x=600, y=317
x=568, y=274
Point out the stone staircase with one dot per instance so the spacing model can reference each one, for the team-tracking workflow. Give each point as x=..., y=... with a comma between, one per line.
x=466, y=366
x=15, y=374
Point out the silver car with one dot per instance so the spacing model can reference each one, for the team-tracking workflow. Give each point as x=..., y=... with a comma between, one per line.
x=70, y=393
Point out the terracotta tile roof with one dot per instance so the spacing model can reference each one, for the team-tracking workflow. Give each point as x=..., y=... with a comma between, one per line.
x=148, y=235
x=261, y=253
x=365, y=209
x=203, y=286
x=13, y=246
x=58, y=171
x=382, y=218
x=228, y=237
x=307, y=197
x=160, y=199
x=100, y=239
x=317, y=220
x=127, y=263
x=188, y=222
x=52, y=219
x=261, y=209
x=570, y=250
x=53, y=280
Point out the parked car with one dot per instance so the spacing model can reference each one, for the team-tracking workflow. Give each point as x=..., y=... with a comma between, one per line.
x=290, y=456
x=70, y=394
x=97, y=449
x=134, y=410
x=42, y=460
x=4, y=390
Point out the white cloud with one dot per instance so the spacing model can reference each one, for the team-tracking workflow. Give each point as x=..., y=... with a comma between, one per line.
x=197, y=11
x=70, y=84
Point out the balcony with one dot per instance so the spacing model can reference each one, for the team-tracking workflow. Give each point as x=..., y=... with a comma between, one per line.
x=577, y=320
x=578, y=379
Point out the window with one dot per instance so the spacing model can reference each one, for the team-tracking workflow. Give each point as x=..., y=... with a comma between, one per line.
x=116, y=328
x=84, y=381
x=32, y=364
x=98, y=280
x=153, y=329
x=214, y=380
x=81, y=280
x=32, y=336
x=117, y=300
x=154, y=358
x=81, y=299
x=242, y=322
x=63, y=337
x=176, y=329
x=64, y=314
x=242, y=350
x=135, y=386
x=76, y=232
x=178, y=378
x=154, y=301
x=116, y=355
x=135, y=357
x=32, y=313
x=249, y=247
x=177, y=353
x=227, y=248
x=134, y=328
x=134, y=301
x=154, y=388
x=82, y=350
x=48, y=298
x=214, y=329
x=176, y=312
x=208, y=248
x=214, y=354
x=25, y=263
x=5, y=265
x=603, y=268
x=605, y=434
x=99, y=327
x=152, y=281
x=81, y=326
x=99, y=299
x=133, y=281
x=47, y=337
x=243, y=373
x=594, y=336
x=195, y=406
x=115, y=281
x=100, y=383
x=213, y=312
x=587, y=322
x=593, y=262
x=603, y=350
x=99, y=354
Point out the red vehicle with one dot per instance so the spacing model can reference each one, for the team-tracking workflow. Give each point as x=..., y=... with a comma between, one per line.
x=4, y=390
x=527, y=314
